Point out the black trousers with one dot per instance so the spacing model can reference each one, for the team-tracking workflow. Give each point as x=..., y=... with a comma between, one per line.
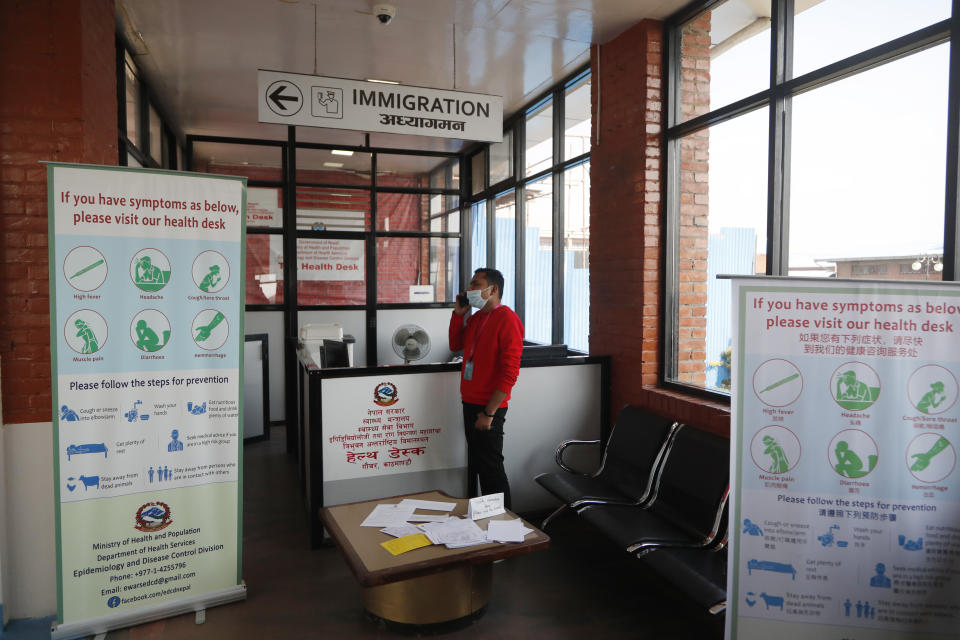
x=485, y=472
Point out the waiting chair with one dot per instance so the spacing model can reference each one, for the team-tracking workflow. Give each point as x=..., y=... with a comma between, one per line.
x=627, y=473
x=688, y=503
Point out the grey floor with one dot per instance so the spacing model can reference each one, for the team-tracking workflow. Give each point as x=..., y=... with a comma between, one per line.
x=579, y=588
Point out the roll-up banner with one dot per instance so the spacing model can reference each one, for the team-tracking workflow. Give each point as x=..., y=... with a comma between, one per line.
x=845, y=520
x=146, y=314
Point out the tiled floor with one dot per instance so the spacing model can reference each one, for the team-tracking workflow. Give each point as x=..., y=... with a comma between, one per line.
x=579, y=588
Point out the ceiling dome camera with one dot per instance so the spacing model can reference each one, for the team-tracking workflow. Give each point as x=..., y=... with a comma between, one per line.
x=385, y=13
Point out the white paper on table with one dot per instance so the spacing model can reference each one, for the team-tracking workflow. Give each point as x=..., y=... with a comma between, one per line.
x=454, y=531
x=387, y=515
x=430, y=505
x=506, y=530
x=419, y=517
x=398, y=531
x=475, y=543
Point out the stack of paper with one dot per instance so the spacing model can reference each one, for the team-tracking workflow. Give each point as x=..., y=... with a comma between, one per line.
x=507, y=530
x=455, y=533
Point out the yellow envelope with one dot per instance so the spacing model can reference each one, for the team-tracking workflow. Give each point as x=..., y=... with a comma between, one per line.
x=406, y=543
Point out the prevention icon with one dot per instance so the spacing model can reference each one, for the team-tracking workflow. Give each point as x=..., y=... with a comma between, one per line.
x=775, y=449
x=853, y=453
x=210, y=329
x=211, y=271
x=85, y=331
x=85, y=268
x=150, y=330
x=150, y=270
x=855, y=386
x=932, y=389
x=931, y=457
x=777, y=382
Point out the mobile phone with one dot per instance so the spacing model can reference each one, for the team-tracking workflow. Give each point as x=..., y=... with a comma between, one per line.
x=462, y=300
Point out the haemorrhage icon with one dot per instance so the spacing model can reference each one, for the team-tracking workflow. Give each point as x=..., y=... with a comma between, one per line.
x=923, y=459
x=203, y=332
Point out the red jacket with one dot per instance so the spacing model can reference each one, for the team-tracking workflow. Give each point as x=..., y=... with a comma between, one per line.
x=494, y=341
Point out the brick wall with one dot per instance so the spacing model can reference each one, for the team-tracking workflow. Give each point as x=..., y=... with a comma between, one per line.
x=626, y=226
x=694, y=206
x=59, y=102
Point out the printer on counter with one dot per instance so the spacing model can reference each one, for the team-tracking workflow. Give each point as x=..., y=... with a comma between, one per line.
x=326, y=345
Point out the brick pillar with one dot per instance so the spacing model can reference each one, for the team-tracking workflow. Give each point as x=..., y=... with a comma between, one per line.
x=625, y=207
x=58, y=82
x=626, y=225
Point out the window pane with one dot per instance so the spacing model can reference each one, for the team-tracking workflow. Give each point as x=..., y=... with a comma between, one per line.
x=576, y=257
x=884, y=132
x=132, y=85
x=156, y=146
x=403, y=212
x=410, y=171
x=539, y=138
x=333, y=209
x=264, y=269
x=538, y=261
x=264, y=207
x=505, y=218
x=725, y=56
x=722, y=229
x=415, y=270
x=444, y=270
x=256, y=162
x=333, y=166
x=477, y=172
x=501, y=159
x=444, y=213
x=331, y=271
x=576, y=114
x=835, y=29
x=478, y=240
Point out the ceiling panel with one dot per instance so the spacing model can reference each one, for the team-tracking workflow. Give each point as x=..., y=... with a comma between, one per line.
x=202, y=56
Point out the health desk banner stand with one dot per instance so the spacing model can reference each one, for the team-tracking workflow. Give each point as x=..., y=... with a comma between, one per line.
x=845, y=520
x=146, y=295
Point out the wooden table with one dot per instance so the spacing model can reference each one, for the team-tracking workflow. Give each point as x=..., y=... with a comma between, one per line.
x=427, y=585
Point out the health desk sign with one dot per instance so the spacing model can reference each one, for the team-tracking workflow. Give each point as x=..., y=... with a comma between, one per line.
x=146, y=291
x=845, y=517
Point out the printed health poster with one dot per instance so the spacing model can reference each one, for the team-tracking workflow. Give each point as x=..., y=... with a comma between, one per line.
x=845, y=520
x=146, y=291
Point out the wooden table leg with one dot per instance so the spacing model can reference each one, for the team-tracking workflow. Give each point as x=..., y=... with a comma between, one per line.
x=438, y=597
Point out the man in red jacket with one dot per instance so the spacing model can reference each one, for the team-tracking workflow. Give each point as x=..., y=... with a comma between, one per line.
x=492, y=341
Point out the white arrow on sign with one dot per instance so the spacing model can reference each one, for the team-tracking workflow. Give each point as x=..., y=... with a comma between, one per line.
x=284, y=98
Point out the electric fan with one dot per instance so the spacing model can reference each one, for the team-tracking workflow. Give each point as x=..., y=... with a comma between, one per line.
x=411, y=342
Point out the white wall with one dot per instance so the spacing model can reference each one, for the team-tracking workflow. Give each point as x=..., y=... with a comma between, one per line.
x=30, y=574
x=271, y=323
x=547, y=406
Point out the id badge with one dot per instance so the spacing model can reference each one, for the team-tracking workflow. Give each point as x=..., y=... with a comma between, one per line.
x=468, y=370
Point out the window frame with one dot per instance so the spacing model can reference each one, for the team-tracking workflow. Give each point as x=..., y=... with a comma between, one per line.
x=517, y=182
x=778, y=97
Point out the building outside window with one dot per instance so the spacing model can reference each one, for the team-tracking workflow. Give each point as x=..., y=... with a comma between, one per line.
x=856, y=122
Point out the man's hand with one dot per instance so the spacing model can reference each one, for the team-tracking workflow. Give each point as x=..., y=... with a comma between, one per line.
x=461, y=306
x=483, y=423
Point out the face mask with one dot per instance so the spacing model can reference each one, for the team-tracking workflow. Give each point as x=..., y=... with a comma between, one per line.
x=475, y=298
